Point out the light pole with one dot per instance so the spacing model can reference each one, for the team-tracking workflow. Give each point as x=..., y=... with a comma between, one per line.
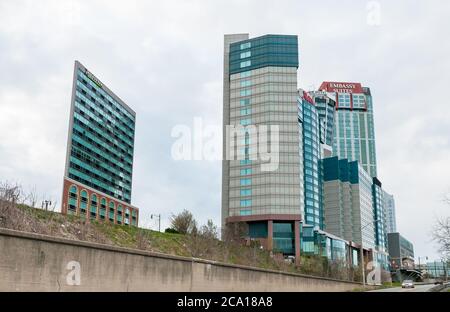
x=46, y=203
x=420, y=267
x=362, y=250
x=446, y=270
x=159, y=220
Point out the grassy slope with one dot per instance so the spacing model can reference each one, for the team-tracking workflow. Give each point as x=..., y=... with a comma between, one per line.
x=24, y=218
x=72, y=227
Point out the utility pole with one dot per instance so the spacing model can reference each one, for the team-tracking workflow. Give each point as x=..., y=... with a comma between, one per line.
x=362, y=251
x=159, y=220
x=444, y=268
x=425, y=265
x=446, y=271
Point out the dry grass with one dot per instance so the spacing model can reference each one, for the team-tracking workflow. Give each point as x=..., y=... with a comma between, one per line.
x=23, y=218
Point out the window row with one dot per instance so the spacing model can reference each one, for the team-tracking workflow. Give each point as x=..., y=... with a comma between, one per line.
x=117, y=106
x=115, y=118
x=85, y=129
x=97, y=207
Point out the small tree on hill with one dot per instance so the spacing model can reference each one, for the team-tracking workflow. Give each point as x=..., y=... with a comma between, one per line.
x=209, y=230
x=441, y=235
x=184, y=223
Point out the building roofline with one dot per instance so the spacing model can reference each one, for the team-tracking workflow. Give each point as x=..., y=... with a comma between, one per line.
x=78, y=64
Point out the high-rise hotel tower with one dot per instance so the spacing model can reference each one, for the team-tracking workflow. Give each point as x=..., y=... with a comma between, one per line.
x=260, y=89
x=100, y=148
x=354, y=135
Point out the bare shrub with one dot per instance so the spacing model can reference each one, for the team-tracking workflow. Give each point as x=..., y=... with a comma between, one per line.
x=235, y=232
x=184, y=223
x=209, y=231
x=441, y=235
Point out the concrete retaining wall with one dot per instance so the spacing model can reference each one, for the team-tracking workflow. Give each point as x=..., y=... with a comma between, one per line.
x=31, y=262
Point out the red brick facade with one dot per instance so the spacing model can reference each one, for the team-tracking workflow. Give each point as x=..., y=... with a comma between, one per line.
x=74, y=204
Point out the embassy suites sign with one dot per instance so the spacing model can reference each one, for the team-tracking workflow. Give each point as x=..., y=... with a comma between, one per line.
x=341, y=87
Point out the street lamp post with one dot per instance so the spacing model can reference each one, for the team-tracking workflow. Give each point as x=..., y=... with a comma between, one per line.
x=46, y=203
x=159, y=220
x=362, y=251
x=420, y=266
x=446, y=270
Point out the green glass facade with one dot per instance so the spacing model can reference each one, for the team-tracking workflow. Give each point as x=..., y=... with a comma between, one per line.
x=320, y=243
x=326, y=108
x=268, y=50
x=354, y=135
x=379, y=214
x=312, y=171
x=101, y=138
x=284, y=238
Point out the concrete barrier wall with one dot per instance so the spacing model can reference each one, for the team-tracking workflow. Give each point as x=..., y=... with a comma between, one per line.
x=31, y=262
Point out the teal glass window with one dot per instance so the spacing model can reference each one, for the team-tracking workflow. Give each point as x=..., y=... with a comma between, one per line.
x=84, y=200
x=245, y=102
x=94, y=200
x=245, y=182
x=246, y=122
x=73, y=192
x=246, y=192
x=246, y=203
x=246, y=45
x=344, y=100
x=246, y=212
x=246, y=74
x=245, y=151
x=73, y=196
x=112, y=208
x=246, y=64
x=246, y=111
x=246, y=162
x=246, y=92
x=246, y=83
x=247, y=140
x=246, y=54
x=247, y=171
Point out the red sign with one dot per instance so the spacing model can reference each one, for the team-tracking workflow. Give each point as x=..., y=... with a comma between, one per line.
x=341, y=87
x=308, y=98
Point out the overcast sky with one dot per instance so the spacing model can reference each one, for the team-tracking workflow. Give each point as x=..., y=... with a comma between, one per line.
x=165, y=60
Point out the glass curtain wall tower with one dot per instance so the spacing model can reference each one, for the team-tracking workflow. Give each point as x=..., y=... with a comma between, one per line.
x=354, y=135
x=260, y=89
x=312, y=167
x=100, y=150
x=390, y=219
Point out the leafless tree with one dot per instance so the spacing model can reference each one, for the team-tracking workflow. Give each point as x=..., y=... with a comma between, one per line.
x=209, y=230
x=235, y=232
x=30, y=198
x=441, y=235
x=10, y=192
x=184, y=223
